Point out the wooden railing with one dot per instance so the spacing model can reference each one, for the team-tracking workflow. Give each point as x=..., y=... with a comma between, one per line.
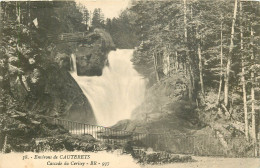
x=71, y=37
x=203, y=145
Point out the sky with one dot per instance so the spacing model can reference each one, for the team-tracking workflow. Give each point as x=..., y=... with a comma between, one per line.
x=110, y=8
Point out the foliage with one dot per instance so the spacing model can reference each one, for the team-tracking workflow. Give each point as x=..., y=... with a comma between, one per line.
x=123, y=30
x=28, y=50
x=190, y=37
x=29, y=31
x=97, y=19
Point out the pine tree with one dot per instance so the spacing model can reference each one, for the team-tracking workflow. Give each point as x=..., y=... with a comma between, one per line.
x=98, y=19
x=243, y=73
x=231, y=47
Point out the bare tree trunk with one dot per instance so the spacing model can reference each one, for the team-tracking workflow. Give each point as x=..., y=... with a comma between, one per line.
x=156, y=66
x=18, y=12
x=1, y=21
x=22, y=83
x=176, y=62
x=188, y=70
x=29, y=13
x=168, y=60
x=188, y=57
x=18, y=18
x=221, y=62
x=254, y=134
x=192, y=78
x=185, y=68
x=198, y=37
x=185, y=20
x=5, y=144
x=243, y=76
x=231, y=46
x=168, y=64
x=200, y=69
x=5, y=69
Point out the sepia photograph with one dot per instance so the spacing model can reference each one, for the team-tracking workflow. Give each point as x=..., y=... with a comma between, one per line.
x=130, y=84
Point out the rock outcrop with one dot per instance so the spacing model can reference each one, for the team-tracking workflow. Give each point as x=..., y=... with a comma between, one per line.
x=59, y=95
x=29, y=132
x=92, y=54
x=55, y=92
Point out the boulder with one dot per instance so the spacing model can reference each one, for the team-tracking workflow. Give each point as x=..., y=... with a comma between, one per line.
x=91, y=55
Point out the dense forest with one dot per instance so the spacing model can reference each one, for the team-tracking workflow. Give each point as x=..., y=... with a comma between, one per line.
x=213, y=46
x=32, y=47
x=210, y=49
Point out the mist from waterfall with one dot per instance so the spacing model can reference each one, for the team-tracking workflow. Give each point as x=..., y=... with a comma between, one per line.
x=114, y=95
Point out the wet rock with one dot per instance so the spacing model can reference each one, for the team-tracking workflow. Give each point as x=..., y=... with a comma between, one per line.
x=91, y=56
x=159, y=157
x=60, y=96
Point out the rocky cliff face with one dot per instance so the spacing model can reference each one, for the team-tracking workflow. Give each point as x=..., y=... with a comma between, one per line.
x=90, y=60
x=59, y=95
x=52, y=91
x=92, y=54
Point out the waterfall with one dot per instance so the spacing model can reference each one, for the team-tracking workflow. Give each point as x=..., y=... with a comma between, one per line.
x=73, y=65
x=114, y=95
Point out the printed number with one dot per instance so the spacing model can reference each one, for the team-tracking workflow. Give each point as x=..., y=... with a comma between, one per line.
x=105, y=163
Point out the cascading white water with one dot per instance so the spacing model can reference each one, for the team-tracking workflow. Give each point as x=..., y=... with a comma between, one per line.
x=114, y=95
